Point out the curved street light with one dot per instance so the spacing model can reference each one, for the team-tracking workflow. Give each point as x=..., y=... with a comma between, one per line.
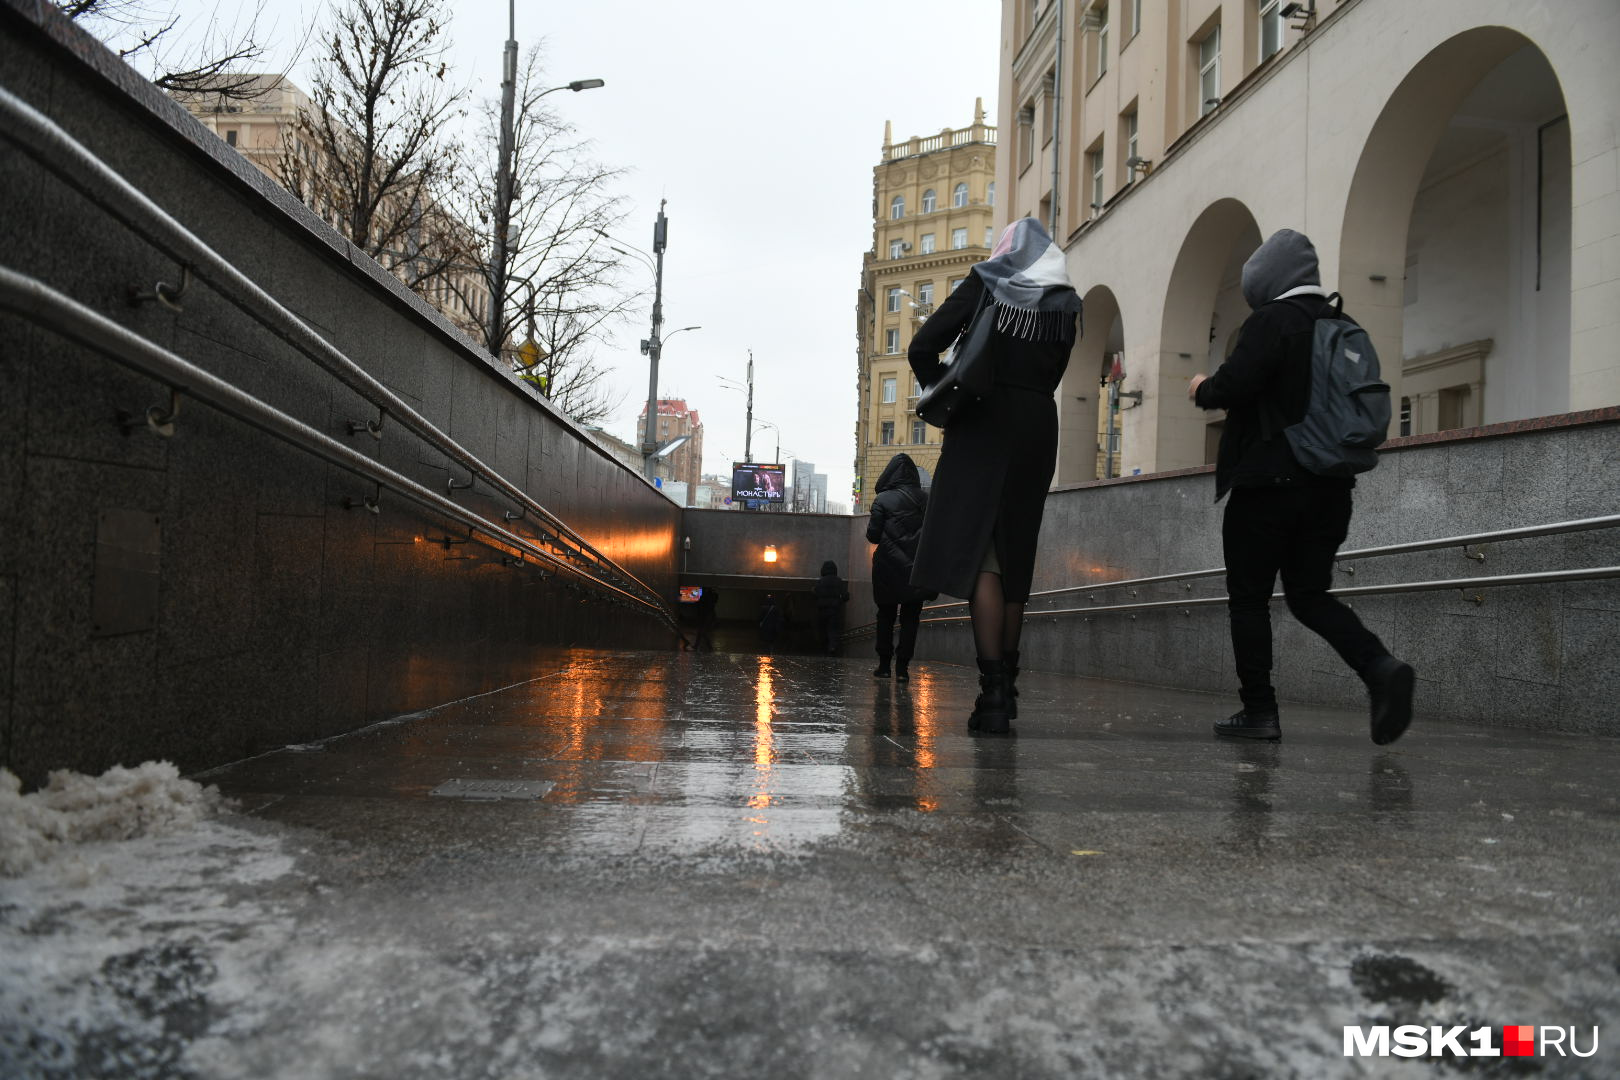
x=503, y=173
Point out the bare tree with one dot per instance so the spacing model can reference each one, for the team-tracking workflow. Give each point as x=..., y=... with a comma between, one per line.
x=374, y=154
x=562, y=287
x=221, y=62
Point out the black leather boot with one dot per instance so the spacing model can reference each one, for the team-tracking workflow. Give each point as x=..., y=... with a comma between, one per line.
x=882, y=671
x=990, y=708
x=1011, y=660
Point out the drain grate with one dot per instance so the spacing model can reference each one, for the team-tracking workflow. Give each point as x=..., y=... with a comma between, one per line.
x=494, y=789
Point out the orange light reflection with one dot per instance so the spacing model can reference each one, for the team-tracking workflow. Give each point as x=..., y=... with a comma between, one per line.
x=764, y=741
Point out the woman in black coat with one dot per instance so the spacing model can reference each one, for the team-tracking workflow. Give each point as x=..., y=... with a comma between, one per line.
x=895, y=526
x=996, y=464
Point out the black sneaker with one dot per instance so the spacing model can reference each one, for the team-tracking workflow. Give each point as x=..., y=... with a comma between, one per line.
x=1244, y=724
x=1389, y=685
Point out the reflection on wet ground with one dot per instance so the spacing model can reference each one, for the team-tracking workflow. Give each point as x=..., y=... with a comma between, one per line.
x=744, y=866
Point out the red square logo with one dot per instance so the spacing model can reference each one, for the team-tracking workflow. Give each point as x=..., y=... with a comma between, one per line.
x=1519, y=1040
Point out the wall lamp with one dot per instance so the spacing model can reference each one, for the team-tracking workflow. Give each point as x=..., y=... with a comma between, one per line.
x=770, y=552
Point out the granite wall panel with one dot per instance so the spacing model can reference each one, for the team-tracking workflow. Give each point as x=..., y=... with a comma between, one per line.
x=283, y=616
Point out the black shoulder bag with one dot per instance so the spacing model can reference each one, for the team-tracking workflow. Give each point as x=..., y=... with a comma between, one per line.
x=970, y=370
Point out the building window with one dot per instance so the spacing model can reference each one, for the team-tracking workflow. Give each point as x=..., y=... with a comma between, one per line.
x=1026, y=136
x=1100, y=14
x=891, y=341
x=887, y=436
x=1135, y=8
x=894, y=299
x=1209, y=72
x=896, y=248
x=919, y=431
x=990, y=194
x=989, y=235
x=230, y=136
x=1406, y=416
x=890, y=385
x=916, y=388
x=1094, y=163
x=954, y=282
x=1270, y=28
x=958, y=239
x=928, y=243
x=930, y=201
x=897, y=207
x=925, y=293
x=1130, y=144
x=959, y=195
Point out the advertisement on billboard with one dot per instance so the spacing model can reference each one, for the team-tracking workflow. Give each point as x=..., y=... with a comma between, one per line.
x=758, y=485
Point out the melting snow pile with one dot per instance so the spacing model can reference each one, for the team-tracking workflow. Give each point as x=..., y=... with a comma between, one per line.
x=74, y=809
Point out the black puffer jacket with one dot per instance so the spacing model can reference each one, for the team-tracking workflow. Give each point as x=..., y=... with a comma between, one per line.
x=895, y=526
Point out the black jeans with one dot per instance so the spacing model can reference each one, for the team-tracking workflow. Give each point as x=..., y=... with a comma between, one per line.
x=830, y=627
x=909, y=615
x=1295, y=531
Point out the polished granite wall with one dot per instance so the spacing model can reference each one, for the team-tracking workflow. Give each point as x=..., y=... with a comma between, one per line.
x=270, y=613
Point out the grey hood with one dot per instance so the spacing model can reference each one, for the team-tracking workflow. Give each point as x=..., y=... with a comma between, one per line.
x=1285, y=261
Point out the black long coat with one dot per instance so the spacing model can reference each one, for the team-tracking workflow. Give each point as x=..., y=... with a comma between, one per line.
x=895, y=527
x=997, y=461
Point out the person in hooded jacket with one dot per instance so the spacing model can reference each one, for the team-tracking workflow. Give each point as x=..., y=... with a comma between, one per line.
x=1281, y=517
x=996, y=463
x=894, y=526
x=831, y=595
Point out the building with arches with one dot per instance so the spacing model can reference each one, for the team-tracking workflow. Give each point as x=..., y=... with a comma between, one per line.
x=1456, y=162
x=933, y=198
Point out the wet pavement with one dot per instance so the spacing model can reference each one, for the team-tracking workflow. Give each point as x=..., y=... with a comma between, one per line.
x=728, y=865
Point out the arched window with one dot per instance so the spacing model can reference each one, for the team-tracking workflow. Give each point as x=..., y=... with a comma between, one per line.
x=959, y=196
x=990, y=193
x=928, y=201
x=897, y=207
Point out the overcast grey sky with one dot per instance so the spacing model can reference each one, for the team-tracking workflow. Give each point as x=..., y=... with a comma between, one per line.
x=760, y=122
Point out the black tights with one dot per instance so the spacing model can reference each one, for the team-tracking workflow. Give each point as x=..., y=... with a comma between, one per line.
x=997, y=622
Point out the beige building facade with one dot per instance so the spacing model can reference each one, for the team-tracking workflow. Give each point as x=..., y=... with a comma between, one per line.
x=933, y=205
x=1456, y=162
x=263, y=128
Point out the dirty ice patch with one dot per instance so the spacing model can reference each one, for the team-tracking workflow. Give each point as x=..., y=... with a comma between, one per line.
x=73, y=809
x=116, y=954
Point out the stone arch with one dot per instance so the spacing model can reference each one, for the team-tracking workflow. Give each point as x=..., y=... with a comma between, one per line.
x=1081, y=398
x=1203, y=304
x=1455, y=248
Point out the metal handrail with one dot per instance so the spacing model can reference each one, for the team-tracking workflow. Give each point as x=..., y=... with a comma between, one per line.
x=1607, y=521
x=1544, y=577
x=77, y=166
x=32, y=299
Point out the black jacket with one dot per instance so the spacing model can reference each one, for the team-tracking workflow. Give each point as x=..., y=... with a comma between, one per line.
x=895, y=526
x=1264, y=386
x=830, y=590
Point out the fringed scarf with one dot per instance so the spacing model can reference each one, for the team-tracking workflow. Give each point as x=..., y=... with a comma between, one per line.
x=1029, y=282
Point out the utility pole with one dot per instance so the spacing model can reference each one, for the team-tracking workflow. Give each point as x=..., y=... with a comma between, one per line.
x=503, y=184
x=748, y=440
x=654, y=344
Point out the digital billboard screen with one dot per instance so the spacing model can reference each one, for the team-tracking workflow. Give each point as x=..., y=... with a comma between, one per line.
x=758, y=484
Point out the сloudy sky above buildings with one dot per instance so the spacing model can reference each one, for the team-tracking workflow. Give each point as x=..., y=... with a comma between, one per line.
x=760, y=124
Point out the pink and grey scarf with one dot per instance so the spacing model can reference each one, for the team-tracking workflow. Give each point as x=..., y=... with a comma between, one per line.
x=1029, y=280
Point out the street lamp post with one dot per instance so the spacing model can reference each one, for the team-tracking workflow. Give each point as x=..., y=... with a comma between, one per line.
x=503, y=174
x=653, y=346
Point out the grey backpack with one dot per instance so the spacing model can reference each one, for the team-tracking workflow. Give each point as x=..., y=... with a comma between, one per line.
x=1348, y=414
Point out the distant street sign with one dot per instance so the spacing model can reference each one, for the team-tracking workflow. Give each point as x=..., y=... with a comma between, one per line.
x=530, y=352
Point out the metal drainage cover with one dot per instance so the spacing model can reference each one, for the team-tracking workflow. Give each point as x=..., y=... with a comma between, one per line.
x=494, y=789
